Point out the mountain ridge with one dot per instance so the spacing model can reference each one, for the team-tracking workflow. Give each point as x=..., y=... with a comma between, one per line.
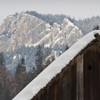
x=22, y=32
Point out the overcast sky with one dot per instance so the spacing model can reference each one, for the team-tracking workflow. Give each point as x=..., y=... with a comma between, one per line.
x=74, y=8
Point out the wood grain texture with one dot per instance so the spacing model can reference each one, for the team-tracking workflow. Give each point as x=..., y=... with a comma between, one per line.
x=80, y=80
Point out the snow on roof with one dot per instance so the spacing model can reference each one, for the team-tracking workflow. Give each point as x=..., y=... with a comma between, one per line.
x=54, y=68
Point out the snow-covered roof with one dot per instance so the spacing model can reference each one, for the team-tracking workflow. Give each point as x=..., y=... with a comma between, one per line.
x=54, y=68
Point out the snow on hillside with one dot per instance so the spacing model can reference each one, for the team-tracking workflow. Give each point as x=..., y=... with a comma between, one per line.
x=61, y=36
x=22, y=33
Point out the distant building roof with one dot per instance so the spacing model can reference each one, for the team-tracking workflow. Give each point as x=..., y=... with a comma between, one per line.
x=54, y=68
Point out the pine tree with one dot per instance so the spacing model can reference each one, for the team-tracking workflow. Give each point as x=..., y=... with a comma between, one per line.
x=96, y=28
x=21, y=75
x=4, y=79
x=39, y=59
x=2, y=61
x=21, y=68
x=31, y=75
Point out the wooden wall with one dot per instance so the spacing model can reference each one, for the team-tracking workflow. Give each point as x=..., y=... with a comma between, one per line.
x=92, y=73
x=63, y=87
x=80, y=80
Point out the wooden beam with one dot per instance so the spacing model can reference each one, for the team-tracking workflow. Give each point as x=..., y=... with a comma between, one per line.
x=79, y=80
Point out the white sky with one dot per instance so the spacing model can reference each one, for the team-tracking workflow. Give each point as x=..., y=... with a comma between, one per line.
x=74, y=8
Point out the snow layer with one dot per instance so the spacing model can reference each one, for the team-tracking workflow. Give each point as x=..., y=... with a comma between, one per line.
x=54, y=68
